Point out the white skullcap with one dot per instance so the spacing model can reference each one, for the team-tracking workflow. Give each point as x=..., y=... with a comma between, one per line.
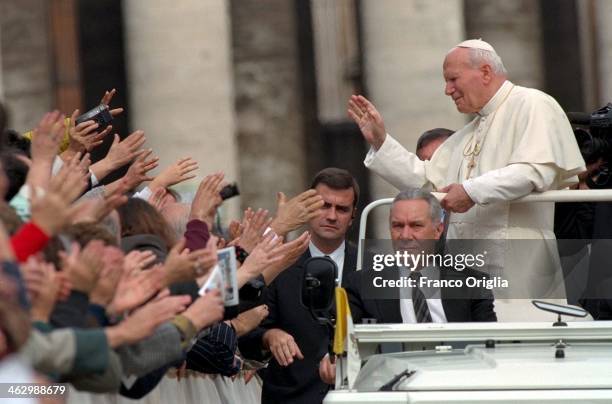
x=476, y=44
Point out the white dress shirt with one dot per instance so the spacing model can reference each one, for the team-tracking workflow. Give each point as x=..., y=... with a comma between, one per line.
x=434, y=303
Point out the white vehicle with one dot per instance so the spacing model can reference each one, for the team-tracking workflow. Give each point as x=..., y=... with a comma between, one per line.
x=536, y=363
x=551, y=362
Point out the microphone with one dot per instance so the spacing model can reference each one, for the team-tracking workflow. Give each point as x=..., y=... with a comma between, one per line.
x=319, y=283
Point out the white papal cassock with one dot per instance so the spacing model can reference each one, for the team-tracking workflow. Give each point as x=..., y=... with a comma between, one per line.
x=520, y=142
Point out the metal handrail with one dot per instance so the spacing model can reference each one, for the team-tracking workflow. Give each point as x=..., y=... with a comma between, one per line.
x=450, y=332
x=592, y=195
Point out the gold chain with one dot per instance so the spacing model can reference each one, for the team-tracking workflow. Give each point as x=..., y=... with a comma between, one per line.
x=473, y=147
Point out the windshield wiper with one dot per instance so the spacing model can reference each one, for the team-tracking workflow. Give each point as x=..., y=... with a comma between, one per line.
x=391, y=383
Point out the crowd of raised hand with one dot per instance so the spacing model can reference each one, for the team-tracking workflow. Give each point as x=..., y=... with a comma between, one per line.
x=99, y=284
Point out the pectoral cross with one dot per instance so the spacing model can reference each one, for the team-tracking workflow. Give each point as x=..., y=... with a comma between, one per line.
x=472, y=163
x=470, y=167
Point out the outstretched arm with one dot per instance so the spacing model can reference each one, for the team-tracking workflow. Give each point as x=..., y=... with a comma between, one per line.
x=368, y=118
x=387, y=157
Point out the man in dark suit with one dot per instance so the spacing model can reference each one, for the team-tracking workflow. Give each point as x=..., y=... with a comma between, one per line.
x=416, y=216
x=295, y=339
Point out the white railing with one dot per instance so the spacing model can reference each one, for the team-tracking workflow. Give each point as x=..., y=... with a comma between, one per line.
x=593, y=195
x=482, y=331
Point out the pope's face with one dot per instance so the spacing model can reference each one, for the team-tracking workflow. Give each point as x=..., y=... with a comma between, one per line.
x=464, y=83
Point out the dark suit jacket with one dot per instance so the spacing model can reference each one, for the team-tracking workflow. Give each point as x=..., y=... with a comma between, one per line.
x=300, y=381
x=460, y=304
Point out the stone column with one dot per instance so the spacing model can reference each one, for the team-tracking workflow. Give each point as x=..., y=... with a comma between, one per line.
x=336, y=56
x=603, y=13
x=586, y=18
x=405, y=42
x=26, y=61
x=1, y=73
x=513, y=28
x=269, y=99
x=180, y=83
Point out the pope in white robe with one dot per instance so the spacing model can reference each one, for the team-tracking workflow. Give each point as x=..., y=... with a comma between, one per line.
x=520, y=141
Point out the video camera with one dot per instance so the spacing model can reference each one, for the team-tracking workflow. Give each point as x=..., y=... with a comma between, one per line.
x=594, y=136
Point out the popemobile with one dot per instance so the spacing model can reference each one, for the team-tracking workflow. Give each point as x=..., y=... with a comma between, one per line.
x=558, y=361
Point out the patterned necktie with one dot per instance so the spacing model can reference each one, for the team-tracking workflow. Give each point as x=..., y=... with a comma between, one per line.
x=421, y=311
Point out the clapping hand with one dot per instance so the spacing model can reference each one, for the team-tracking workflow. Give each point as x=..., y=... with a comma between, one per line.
x=207, y=199
x=175, y=173
x=83, y=267
x=137, y=173
x=53, y=210
x=135, y=287
x=183, y=265
x=124, y=151
x=207, y=310
x=106, y=100
x=43, y=284
x=293, y=213
x=287, y=254
x=46, y=140
x=111, y=273
x=47, y=137
x=254, y=225
x=263, y=256
x=84, y=136
x=136, y=260
x=143, y=321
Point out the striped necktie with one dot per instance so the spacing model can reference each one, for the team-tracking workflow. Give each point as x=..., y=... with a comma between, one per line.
x=421, y=311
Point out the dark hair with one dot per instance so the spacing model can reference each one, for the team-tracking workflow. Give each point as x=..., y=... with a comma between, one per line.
x=337, y=178
x=17, y=142
x=10, y=219
x=52, y=249
x=83, y=233
x=431, y=135
x=16, y=172
x=139, y=217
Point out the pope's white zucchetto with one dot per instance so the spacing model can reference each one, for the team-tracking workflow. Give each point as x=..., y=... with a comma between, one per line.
x=476, y=44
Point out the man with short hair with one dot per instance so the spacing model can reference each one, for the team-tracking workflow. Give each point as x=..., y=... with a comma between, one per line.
x=414, y=218
x=429, y=142
x=296, y=340
x=519, y=142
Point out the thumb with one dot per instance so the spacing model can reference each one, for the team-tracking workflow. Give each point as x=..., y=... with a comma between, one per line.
x=280, y=198
x=74, y=116
x=116, y=139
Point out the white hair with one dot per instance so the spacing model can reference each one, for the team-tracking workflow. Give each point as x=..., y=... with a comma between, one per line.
x=482, y=56
x=409, y=194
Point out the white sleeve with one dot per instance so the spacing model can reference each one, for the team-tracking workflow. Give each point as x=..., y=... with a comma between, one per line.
x=508, y=183
x=396, y=165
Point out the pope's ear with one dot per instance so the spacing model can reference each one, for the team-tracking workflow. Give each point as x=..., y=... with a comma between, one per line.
x=487, y=73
